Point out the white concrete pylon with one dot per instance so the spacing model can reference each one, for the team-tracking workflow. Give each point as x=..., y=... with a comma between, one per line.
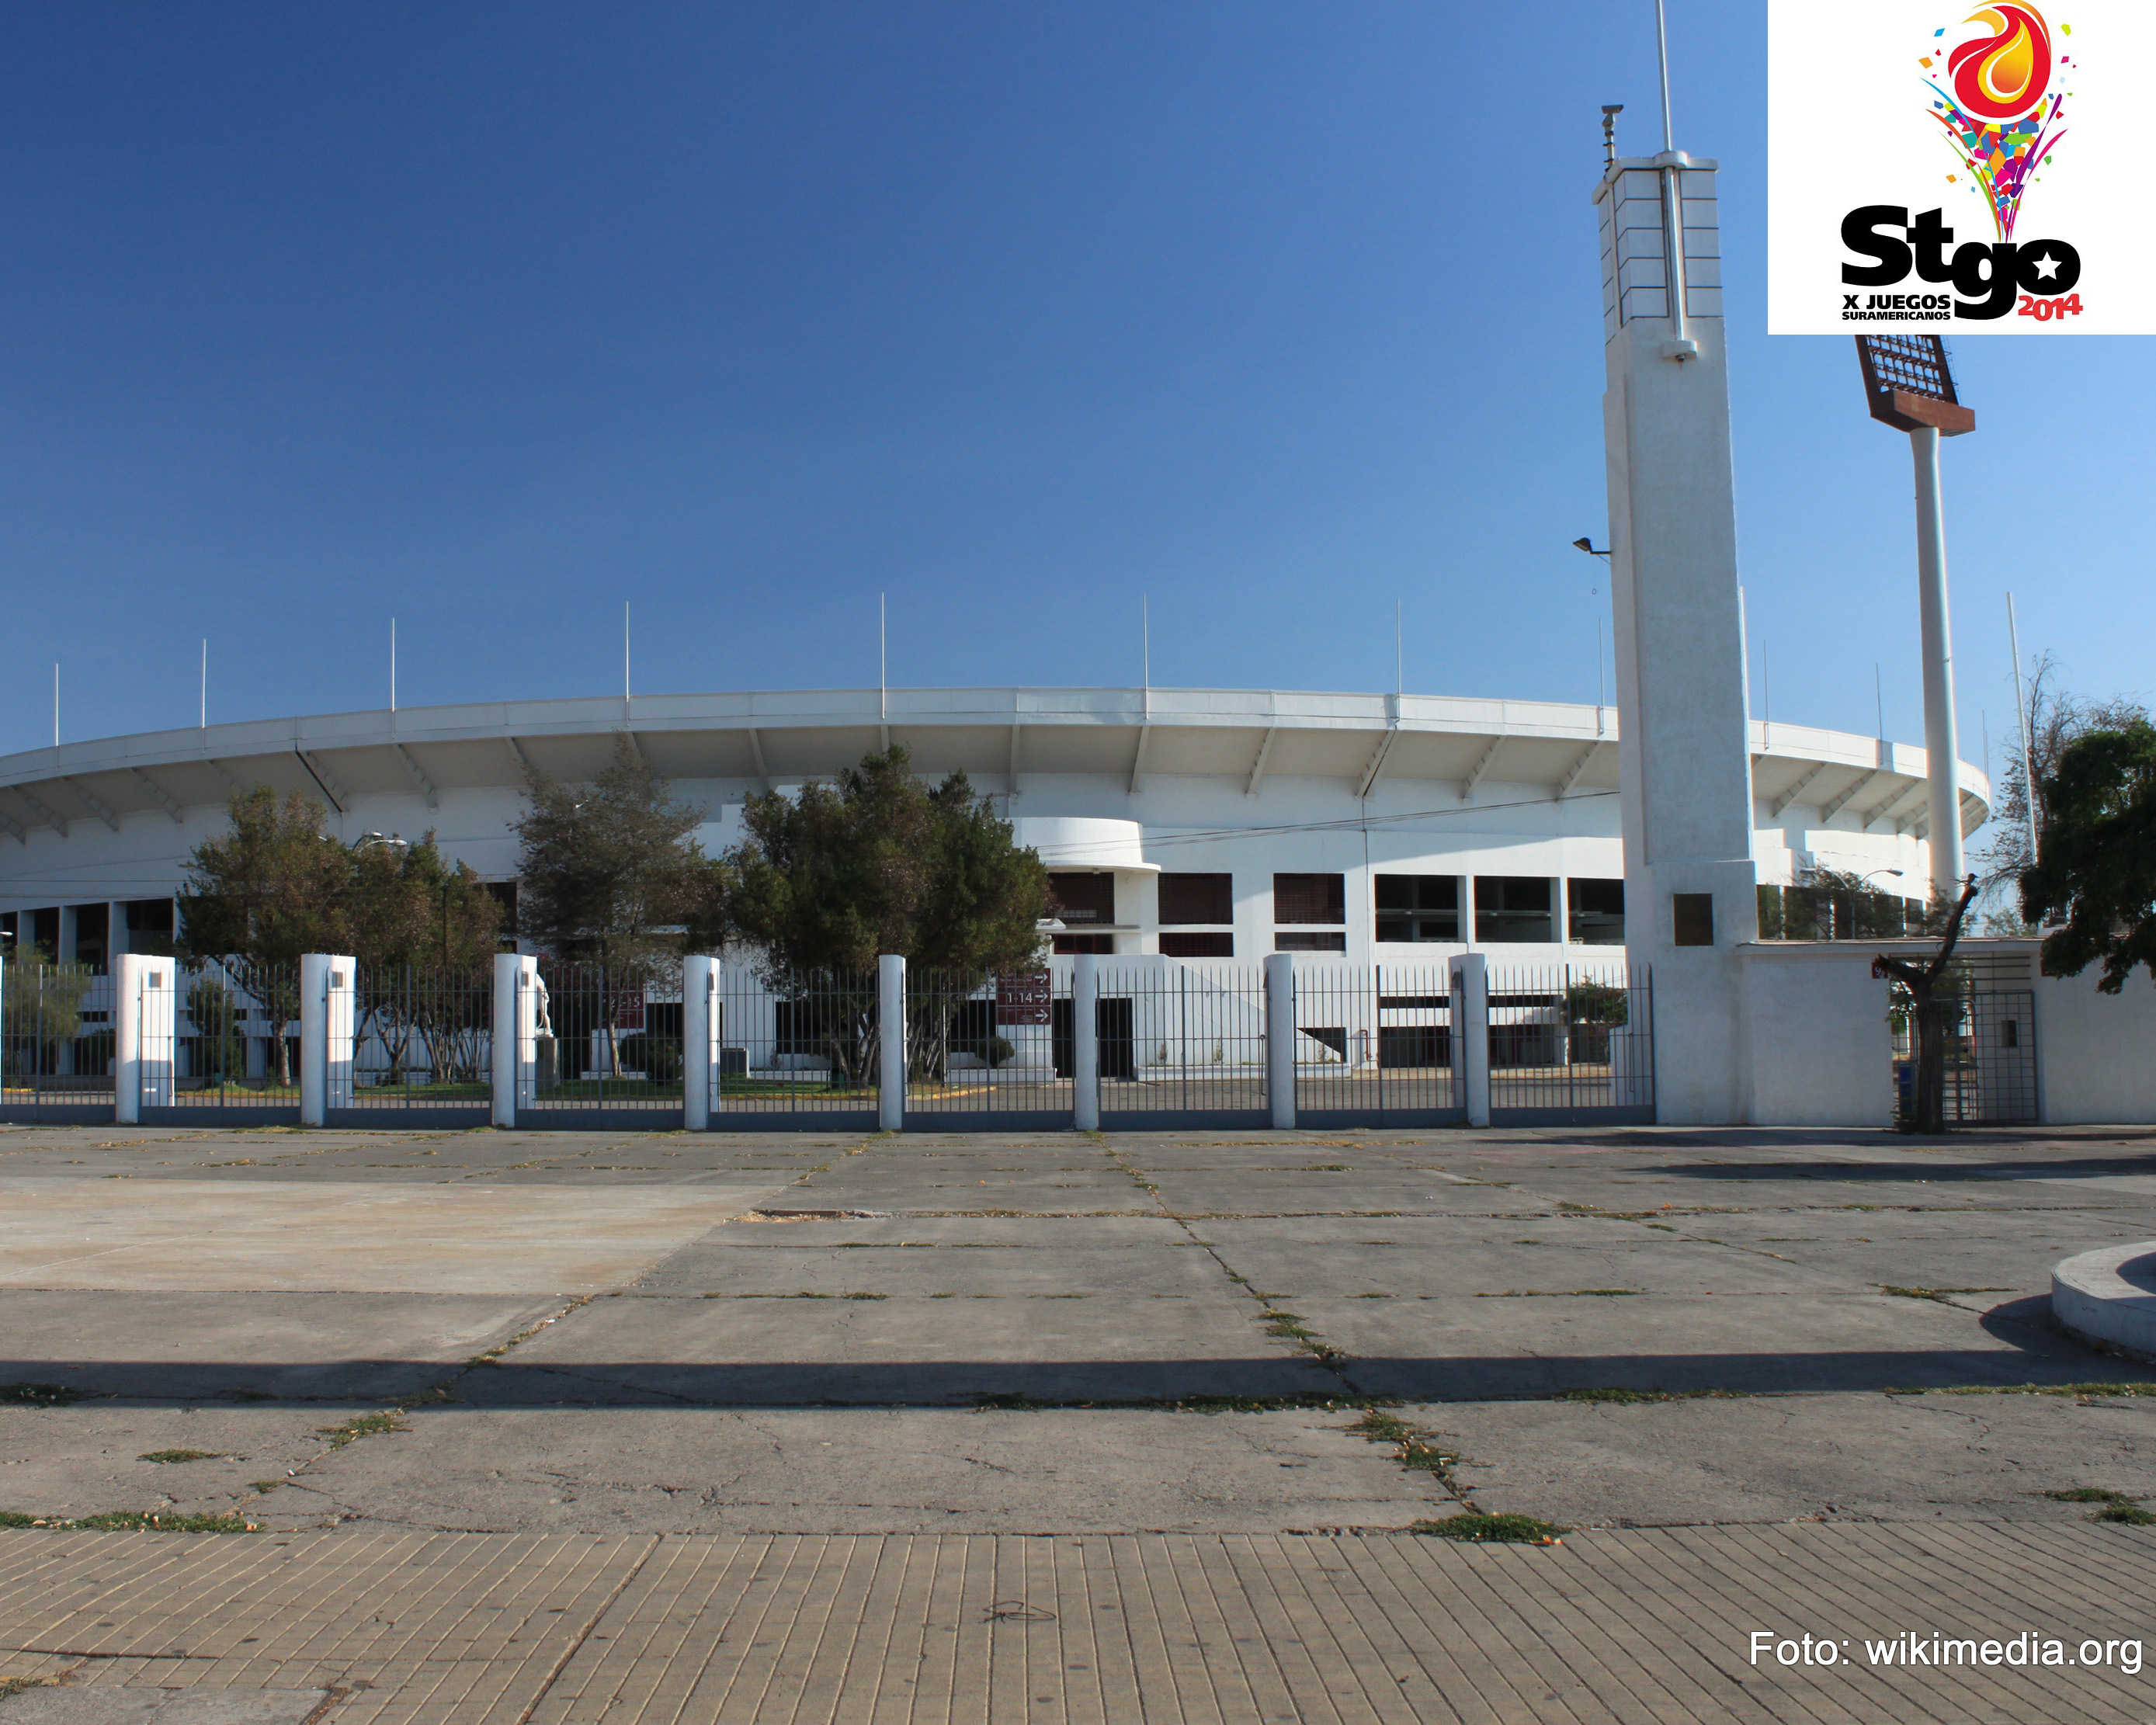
x=1469, y=981
x=1690, y=881
x=699, y=1041
x=891, y=1043
x=144, y=1021
x=1086, y=1042
x=1280, y=1038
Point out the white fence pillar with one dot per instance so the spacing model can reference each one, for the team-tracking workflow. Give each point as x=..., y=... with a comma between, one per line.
x=1470, y=1034
x=1280, y=1038
x=1086, y=1042
x=700, y=1041
x=144, y=1020
x=325, y=1033
x=518, y=1012
x=891, y=1043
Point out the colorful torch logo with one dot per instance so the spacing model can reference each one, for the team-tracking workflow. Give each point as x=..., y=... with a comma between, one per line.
x=2004, y=75
x=1998, y=106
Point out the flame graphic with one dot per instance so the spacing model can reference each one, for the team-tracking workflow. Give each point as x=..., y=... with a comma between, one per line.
x=2002, y=76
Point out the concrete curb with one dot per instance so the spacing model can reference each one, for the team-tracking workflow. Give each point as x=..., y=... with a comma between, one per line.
x=2109, y=1296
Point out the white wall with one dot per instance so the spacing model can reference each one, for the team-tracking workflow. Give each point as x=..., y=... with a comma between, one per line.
x=2096, y=1053
x=1815, y=1047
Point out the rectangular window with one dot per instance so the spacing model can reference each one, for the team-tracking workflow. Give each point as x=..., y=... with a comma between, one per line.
x=1417, y=907
x=1513, y=908
x=45, y=934
x=1414, y=1045
x=148, y=916
x=1595, y=910
x=93, y=928
x=1082, y=898
x=1198, y=946
x=1311, y=898
x=1692, y=915
x=1085, y=944
x=1310, y=943
x=1197, y=898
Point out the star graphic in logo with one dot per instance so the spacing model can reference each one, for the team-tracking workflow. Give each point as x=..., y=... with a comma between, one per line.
x=2047, y=266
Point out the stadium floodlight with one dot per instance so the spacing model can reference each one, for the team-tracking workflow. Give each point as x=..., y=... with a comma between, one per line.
x=1909, y=385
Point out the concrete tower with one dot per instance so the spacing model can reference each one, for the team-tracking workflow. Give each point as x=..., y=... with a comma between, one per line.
x=1690, y=892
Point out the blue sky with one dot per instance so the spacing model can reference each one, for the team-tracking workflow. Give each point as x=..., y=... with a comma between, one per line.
x=496, y=316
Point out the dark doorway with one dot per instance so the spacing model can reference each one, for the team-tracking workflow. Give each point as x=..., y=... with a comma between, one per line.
x=1114, y=1022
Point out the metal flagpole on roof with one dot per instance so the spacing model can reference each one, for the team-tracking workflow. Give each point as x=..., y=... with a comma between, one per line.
x=1662, y=53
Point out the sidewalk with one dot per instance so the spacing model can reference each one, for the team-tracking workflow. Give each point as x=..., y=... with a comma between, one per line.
x=1636, y=1625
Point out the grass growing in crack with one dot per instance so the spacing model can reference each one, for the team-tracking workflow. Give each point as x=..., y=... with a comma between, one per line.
x=1494, y=1530
x=168, y=1456
x=265, y=1486
x=38, y=1395
x=2121, y=1389
x=1626, y=1397
x=130, y=1520
x=1941, y=1295
x=362, y=1425
x=1412, y=1446
x=2119, y=1506
x=16, y=1685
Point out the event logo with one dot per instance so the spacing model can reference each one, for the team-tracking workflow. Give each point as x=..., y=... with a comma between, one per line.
x=1996, y=100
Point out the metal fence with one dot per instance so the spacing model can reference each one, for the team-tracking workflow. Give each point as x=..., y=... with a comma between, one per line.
x=1375, y=1045
x=56, y=1035
x=1991, y=1056
x=230, y=1043
x=984, y=1049
x=797, y=1049
x=1180, y=1045
x=423, y=1040
x=609, y=1046
x=1571, y=1045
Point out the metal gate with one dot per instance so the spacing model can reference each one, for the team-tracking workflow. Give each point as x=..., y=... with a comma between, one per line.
x=1991, y=1056
x=1375, y=1047
x=1571, y=1046
x=984, y=1053
x=227, y=1051
x=1182, y=1045
x=55, y=1043
x=795, y=1052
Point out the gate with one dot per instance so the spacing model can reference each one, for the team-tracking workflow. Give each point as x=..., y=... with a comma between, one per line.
x=1182, y=1045
x=1375, y=1047
x=1991, y=1048
x=422, y=1048
x=608, y=1052
x=55, y=1044
x=1571, y=1046
x=990, y=1052
x=796, y=1052
x=226, y=1052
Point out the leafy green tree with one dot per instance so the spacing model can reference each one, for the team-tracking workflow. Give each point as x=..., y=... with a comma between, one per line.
x=2096, y=875
x=41, y=1006
x=610, y=877
x=257, y=897
x=877, y=862
x=423, y=932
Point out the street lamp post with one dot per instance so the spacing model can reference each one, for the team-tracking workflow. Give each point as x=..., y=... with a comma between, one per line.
x=1908, y=386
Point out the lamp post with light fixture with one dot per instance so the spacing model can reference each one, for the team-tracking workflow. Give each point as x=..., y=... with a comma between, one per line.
x=1908, y=385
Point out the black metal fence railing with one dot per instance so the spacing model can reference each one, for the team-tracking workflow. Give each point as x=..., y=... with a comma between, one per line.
x=801, y=1048
x=609, y=1039
x=56, y=1040
x=422, y=1037
x=232, y=1040
x=980, y=1043
x=1372, y=1042
x=1571, y=1043
x=1177, y=1040
x=1991, y=1058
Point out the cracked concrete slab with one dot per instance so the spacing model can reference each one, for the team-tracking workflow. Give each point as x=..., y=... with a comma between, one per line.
x=70, y=1706
x=244, y=1236
x=870, y=1469
x=196, y=1346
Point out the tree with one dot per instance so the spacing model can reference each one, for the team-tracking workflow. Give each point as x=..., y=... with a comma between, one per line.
x=2096, y=875
x=273, y=887
x=41, y=1008
x=420, y=929
x=2055, y=721
x=877, y=862
x=610, y=877
x=1931, y=1001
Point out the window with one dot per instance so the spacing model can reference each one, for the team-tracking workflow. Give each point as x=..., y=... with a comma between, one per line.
x=1596, y=911
x=1197, y=898
x=1311, y=898
x=1417, y=907
x=1512, y=907
x=93, y=930
x=1085, y=944
x=8, y=925
x=1310, y=943
x=1082, y=898
x=1692, y=915
x=1198, y=946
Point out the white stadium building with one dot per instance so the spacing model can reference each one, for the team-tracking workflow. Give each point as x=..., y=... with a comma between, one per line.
x=1189, y=822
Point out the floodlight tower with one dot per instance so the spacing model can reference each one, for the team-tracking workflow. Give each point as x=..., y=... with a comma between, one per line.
x=1908, y=385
